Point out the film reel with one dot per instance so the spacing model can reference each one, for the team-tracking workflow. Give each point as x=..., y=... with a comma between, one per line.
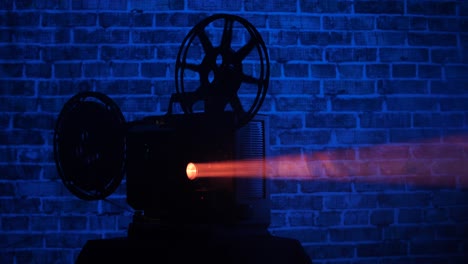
x=231, y=62
x=89, y=145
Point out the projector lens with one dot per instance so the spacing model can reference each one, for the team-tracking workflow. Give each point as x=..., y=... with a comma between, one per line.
x=191, y=171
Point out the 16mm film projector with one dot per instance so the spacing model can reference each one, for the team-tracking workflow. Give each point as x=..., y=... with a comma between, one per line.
x=221, y=75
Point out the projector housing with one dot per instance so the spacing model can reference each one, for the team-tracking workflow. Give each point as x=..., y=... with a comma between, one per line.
x=158, y=151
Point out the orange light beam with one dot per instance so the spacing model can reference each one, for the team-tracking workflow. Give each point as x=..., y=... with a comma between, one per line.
x=439, y=163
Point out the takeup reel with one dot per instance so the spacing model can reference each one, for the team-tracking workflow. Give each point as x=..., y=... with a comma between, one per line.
x=230, y=59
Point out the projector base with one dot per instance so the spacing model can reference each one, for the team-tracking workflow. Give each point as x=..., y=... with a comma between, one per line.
x=171, y=245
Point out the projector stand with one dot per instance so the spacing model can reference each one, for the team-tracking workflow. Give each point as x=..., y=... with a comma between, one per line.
x=157, y=243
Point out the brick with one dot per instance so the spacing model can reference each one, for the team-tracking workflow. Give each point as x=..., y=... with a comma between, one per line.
x=350, y=71
x=287, y=54
x=68, y=205
x=309, y=137
x=403, y=200
x=382, y=217
x=408, y=216
x=63, y=19
x=453, y=104
x=127, y=53
x=456, y=72
x=318, y=38
x=11, y=70
x=445, y=24
x=18, y=172
x=20, y=19
x=437, y=246
x=286, y=104
x=348, y=87
x=100, y=36
x=41, y=188
x=438, y=120
x=379, y=38
x=60, y=255
x=379, y=7
x=354, y=234
x=393, y=23
x=283, y=186
x=275, y=6
x=6, y=5
x=425, y=39
x=68, y=70
x=402, y=87
x=26, y=4
x=16, y=137
x=227, y=6
x=309, y=22
x=296, y=202
x=458, y=214
x=145, y=6
x=40, y=70
x=154, y=36
x=278, y=219
x=340, y=6
x=125, y=87
x=125, y=69
x=286, y=121
x=408, y=135
x=329, y=218
x=97, y=69
x=19, y=52
x=429, y=72
x=348, y=23
x=350, y=54
x=14, y=239
x=404, y=54
x=446, y=55
x=324, y=186
x=350, y=201
x=403, y=70
x=411, y=104
x=361, y=136
x=69, y=52
x=44, y=223
x=357, y=104
x=356, y=217
x=17, y=88
x=100, y=5
x=390, y=248
x=296, y=70
x=20, y=205
x=431, y=8
x=15, y=223
x=321, y=120
x=377, y=71
x=301, y=218
x=384, y=120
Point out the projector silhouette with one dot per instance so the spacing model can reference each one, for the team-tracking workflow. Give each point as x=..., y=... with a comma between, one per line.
x=222, y=75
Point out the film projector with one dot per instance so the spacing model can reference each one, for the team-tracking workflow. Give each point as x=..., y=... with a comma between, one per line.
x=221, y=78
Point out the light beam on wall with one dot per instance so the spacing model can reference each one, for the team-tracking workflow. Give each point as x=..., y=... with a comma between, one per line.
x=430, y=163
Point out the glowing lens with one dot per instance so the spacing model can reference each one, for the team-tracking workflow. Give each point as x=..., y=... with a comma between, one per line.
x=191, y=171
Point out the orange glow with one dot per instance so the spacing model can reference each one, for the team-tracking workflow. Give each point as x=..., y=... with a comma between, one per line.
x=437, y=163
x=191, y=171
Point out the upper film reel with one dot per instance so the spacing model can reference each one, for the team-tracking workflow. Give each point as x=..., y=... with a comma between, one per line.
x=89, y=145
x=223, y=61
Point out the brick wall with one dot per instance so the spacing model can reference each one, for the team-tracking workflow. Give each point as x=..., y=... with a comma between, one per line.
x=372, y=96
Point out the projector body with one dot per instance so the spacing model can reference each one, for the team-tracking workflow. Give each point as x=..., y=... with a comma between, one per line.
x=158, y=151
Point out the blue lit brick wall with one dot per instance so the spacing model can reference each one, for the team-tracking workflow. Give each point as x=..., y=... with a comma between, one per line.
x=373, y=95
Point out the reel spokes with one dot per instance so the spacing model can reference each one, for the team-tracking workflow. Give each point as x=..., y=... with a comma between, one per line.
x=227, y=71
